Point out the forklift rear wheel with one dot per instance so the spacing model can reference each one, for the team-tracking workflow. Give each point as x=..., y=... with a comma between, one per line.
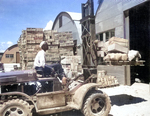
x=15, y=107
x=97, y=104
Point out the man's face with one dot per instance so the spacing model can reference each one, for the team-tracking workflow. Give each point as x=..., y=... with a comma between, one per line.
x=45, y=47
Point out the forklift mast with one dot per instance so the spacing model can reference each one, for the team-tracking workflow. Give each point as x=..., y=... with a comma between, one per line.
x=88, y=36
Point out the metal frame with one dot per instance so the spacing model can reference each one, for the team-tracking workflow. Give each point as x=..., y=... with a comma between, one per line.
x=88, y=36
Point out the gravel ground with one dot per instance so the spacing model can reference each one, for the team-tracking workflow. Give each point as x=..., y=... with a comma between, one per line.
x=131, y=100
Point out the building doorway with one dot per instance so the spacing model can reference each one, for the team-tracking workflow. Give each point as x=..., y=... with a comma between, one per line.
x=139, y=33
x=17, y=57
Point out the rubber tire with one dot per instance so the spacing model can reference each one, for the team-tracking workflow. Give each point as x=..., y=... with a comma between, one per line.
x=86, y=110
x=13, y=104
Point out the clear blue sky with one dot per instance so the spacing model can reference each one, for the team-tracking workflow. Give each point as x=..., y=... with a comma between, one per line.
x=17, y=15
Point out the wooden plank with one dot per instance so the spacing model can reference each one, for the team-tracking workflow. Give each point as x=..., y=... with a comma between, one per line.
x=88, y=66
x=121, y=63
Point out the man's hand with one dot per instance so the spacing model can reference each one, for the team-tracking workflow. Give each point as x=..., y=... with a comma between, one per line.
x=64, y=81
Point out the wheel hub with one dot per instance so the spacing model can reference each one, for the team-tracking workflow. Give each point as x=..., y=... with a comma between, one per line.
x=14, y=111
x=97, y=105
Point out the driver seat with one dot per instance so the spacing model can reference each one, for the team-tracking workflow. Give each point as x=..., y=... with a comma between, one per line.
x=40, y=73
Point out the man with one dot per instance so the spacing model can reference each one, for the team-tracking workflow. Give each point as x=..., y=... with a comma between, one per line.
x=40, y=63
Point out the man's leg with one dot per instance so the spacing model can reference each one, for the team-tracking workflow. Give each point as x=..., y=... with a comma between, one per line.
x=39, y=70
x=48, y=70
x=58, y=68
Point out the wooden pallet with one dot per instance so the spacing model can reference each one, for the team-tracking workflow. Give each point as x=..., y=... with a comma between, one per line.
x=131, y=63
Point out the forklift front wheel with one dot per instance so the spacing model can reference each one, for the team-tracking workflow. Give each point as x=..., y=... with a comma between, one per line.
x=97, y=104
x=15, y=107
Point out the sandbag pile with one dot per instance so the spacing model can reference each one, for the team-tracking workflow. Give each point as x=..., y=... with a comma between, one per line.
x=116, y=49
x=60, y=43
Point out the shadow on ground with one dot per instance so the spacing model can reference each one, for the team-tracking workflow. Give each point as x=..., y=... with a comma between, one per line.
x=72, y=113
x=68, y=113
x=125, y=99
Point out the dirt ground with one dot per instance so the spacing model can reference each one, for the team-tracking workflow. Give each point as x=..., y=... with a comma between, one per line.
x=131, y=100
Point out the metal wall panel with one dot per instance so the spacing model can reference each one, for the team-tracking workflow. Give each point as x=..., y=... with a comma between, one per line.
x=119, y=31
x=110, y=15
x=110, y=12
x=107, y=4
x=127, y=4
x=111, y=23
x=65, y=20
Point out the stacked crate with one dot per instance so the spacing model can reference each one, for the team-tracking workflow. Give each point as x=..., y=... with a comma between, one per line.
x=72, y=66
x=34, y=36
x=21, y=45
x=29, y=46
x=60, y=43
x=66, y=44
x=52, y=54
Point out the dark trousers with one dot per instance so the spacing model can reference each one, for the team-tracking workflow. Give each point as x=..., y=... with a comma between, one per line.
x=49, y=69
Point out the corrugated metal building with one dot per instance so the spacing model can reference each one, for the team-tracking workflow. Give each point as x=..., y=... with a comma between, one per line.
x=69, y=22
x=128, y=19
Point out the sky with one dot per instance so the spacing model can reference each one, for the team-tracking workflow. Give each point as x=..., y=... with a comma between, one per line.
x=17, y=15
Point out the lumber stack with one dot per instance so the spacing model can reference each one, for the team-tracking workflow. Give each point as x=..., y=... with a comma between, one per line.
x=116, y=50
x=113, y=45
x=72, y=66
x=52, y=54
x=60, y=43
x=29, y=46
x=105, y=80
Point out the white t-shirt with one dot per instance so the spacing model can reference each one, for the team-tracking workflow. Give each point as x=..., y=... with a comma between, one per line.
x=40, y=59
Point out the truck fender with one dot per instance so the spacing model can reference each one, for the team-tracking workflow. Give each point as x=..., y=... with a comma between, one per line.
x=17, y=93
x=80, y=94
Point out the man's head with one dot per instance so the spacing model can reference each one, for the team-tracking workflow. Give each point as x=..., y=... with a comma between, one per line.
x=44, y=45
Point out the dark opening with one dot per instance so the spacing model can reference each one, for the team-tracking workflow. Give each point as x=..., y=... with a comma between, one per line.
x=140, y=39
x=60, y=21
x=75, y=47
